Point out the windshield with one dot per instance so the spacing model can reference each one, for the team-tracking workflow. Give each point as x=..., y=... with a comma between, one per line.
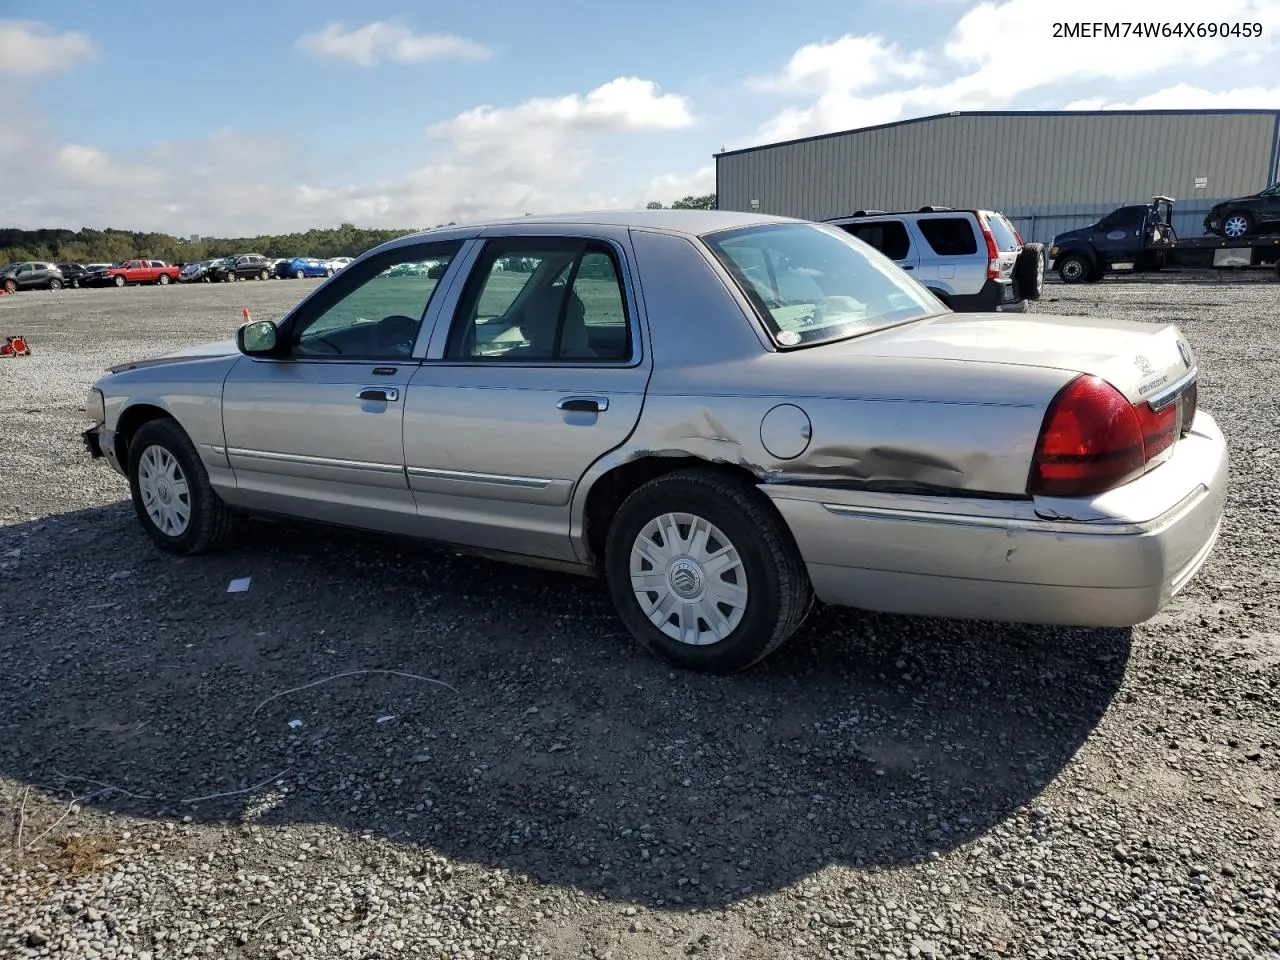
x=815, y=284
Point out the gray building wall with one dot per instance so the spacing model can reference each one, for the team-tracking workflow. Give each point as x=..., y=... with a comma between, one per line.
x=1049, y=172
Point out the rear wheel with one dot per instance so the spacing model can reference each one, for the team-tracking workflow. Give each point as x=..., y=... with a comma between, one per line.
x=163, y=279
x=172, y=496
x=703, y=573
x=10, y=286
x=299, y=274
x=1074, y=268
x=264, y=275
x=119, y=280
x=55, y=284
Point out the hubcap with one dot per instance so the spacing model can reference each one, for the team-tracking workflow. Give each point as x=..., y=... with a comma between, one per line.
x=1235, y=227
x=165, y=494
x=1072, y=269
x=688, y=579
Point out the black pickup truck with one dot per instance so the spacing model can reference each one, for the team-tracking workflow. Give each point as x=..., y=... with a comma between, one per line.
x=1140, y=238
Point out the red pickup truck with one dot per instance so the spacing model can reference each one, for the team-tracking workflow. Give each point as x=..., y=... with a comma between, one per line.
x=142, y=271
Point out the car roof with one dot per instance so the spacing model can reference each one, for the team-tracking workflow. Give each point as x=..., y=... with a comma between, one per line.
x=687, y=222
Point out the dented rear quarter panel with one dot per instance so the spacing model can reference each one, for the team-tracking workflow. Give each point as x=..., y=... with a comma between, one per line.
x=876, y=419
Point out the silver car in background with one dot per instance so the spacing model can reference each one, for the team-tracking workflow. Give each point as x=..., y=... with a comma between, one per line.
x=725, y=416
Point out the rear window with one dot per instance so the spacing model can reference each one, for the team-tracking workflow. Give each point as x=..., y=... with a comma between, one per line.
x=1006, y=239
x=949, y=236
x=814, y=284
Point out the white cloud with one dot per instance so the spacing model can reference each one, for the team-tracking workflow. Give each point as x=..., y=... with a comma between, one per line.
x=849, y=63
x=671, y=186
x=1185, y=96
x=28, y=48
x=998, y=52
x=488, y=161
x=389, y=39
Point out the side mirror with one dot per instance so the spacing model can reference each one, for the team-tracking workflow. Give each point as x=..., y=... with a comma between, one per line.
x=258, y=338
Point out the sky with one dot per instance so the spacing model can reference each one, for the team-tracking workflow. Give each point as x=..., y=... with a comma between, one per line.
x=241, y=118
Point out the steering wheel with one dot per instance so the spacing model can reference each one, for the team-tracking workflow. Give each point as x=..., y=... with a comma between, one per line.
x=397, y=334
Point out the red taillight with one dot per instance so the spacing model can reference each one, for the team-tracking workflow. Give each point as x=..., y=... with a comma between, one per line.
x=1158, y=428
x=1093, y=439
x=993, y=255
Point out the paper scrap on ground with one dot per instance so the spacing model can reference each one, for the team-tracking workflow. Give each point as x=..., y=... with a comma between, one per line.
x=386, y=718
x=239, y=586
x=295, y=724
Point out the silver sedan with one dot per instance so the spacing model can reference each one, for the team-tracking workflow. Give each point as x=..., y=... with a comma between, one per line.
x=724, y=416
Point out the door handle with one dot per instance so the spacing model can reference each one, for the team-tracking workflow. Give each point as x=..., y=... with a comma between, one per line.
x=584, y=404
x=907, y=266
x=385, y=394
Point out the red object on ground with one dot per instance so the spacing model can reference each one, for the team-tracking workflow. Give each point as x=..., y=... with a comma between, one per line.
x=245, y=313
x=15, y=347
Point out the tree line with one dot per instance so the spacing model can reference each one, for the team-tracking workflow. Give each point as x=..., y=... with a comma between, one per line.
x=112, y=246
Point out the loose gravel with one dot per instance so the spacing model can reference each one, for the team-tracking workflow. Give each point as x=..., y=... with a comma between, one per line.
x=176, y=781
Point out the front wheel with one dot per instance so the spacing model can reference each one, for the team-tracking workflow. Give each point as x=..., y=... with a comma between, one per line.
x=1073, y=268
x=163, y=279
x=55, y=284
x=264, y=275
x=703, y=573
x=10, y=286
x=171, y=492
x=299, y=274
x=1237, y=225
x=119, y=281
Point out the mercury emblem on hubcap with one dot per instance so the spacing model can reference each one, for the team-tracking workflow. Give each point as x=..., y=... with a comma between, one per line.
x=686, y=577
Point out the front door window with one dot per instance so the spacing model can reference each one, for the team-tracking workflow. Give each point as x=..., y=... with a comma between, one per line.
x=376, y=312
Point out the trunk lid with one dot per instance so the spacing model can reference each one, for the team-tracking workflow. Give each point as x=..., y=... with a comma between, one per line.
x=1140, y=360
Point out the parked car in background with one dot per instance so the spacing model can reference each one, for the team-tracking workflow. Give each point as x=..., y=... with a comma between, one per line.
x=300, y=267
x=971, y=260
x=245, y=266
x=72, y=273
x=1243, y=216
x=196, y=272
x=133, y=271
x=30, y=275
x=725, y=416
x=337, y=263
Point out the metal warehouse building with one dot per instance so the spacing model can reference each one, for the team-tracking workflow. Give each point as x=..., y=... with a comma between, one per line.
x=1047, y=171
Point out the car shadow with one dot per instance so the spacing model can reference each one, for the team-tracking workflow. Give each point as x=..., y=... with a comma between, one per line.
x=533, y=735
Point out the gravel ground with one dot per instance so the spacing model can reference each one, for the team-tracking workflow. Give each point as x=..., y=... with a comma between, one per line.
x=884, y=787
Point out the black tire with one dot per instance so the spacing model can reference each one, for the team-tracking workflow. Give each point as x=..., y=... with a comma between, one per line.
x=163, y=279
x=299, y=274
x=1074, y=268
x=76, y=283
x=119, y=280
x=1244, y=215
x=1028, y=272
x=55, y=284
x=210, y=524
x=779, y=594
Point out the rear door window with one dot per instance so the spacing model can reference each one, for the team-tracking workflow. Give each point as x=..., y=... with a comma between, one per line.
x=888, y=236
x=949, y=236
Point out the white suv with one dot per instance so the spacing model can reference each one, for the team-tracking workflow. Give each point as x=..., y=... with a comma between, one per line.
x=974, y=261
